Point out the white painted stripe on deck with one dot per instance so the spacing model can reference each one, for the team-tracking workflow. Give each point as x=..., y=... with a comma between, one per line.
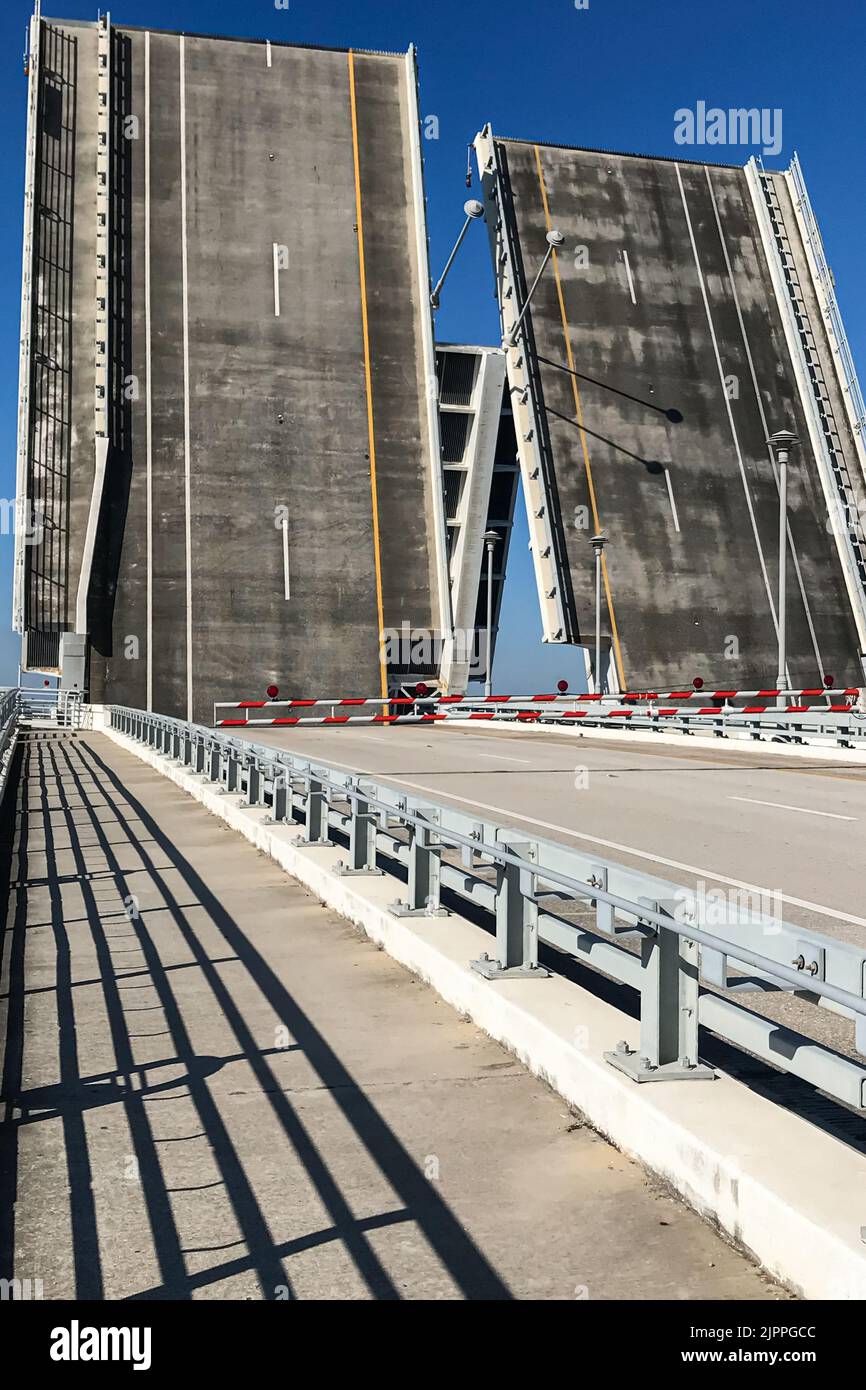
x=276, y=279
x=268, y=50
x=671, y=496
x=186, y=429
x=505, y=814
x=286, y=580
x=147, y=358
x=764, y=424
x=730, y=413
x=630, y=281
x=783, y=806
x=495, y=757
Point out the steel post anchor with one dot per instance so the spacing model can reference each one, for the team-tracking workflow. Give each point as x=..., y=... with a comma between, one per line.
x=317, y=816
x=281, y=801
x=516, y=922
x=362, y=839
x=424, y=873
x=668, y=1048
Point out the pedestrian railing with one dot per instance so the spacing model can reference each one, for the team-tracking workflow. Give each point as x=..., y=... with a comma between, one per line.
x=24, y=707
x=690, y=953
x=8, y=734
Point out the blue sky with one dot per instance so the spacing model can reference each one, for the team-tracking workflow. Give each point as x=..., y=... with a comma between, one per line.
x=612, y=74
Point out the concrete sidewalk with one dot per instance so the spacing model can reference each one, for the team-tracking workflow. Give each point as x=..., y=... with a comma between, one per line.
x=215, y=1088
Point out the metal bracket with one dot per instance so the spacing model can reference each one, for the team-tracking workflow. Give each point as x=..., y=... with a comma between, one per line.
x=317, y=815
x=516, y=922
x=668, y=1009
x=640, y=1069
x=362, y=836
x=425, y=854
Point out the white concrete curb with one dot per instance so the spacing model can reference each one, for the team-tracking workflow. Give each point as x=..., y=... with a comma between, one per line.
x=781, y=1188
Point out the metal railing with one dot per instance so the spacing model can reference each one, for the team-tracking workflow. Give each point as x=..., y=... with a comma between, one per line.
x=63, y=709
x=683, y=936
x=842, y=729
x=8, y=734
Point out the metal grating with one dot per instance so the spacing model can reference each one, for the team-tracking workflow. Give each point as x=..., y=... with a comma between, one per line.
x=455, y=434
x=49, y=445
x=456, y=372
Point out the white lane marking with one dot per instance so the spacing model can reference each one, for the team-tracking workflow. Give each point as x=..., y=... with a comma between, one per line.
x=764, y=425
x=721, y=370
x=495, y=757
x=672, y=502
x=630, y=280
x=287, y=583
x=276, y=279
x=268, y=50
x=501, y=812
x=148, y=417
x=186, y=430
x=783, y=806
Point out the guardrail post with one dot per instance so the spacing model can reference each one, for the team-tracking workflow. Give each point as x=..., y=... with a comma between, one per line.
x=362, y=835
x=233, y=770
x=281, y=794
x=214, y=763
x=668, y=1009
x=424, y=871
x=316, y=821
x=255, y=784
x=516, y=920
x=198, y=754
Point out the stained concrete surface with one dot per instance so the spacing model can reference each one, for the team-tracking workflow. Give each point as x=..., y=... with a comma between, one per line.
x=698, y=600
x=228, y=416
x=214, y=1088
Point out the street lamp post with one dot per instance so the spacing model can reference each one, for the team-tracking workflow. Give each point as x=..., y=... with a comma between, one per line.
x=490, y=540
x=555, y=240
x=473, y=210
x=781, y=443
x=598, y=543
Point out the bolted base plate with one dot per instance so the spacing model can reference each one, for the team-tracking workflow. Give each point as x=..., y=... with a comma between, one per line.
x=398, y=909
x=640, y=1070
x=345, y=872
x=301, y=840
x=492, y=970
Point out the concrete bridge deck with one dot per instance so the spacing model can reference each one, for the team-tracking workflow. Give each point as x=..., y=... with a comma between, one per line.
x=214, y=1088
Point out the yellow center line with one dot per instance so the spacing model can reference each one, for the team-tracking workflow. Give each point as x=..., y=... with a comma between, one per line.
x=368, y=377
x=617, y=651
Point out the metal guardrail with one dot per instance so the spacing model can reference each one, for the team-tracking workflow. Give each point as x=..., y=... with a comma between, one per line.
x=841, y=729
x=64, y=709
x=8, y=734
x=684, y=935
